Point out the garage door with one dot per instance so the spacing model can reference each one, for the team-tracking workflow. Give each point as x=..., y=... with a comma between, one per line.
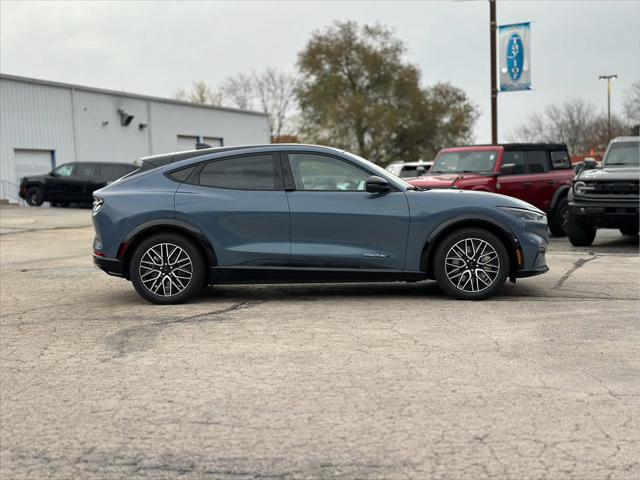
x=186, y=142
x=212, y=141
x=32, y=162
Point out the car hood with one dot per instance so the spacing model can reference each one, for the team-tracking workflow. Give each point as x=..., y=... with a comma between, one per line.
x=610, y=173
x=35, y=178
x=442, y=180
x=467, y=199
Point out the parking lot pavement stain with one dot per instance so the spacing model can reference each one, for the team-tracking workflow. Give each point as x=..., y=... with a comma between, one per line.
x=581, y=262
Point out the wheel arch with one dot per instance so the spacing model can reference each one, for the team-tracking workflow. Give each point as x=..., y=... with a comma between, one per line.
x=145, y=230
x=503, y=232
x=559, y=193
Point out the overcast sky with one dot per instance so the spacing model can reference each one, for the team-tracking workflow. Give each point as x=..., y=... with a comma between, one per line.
x=157, y=47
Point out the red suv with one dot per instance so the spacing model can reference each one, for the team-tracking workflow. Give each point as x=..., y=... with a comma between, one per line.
x=538, y=173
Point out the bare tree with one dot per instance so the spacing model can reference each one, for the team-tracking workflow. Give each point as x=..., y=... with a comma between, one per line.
x=632, y=105
x=239, y=91
x=573, y=122
x=271, y=91
x=201, y=93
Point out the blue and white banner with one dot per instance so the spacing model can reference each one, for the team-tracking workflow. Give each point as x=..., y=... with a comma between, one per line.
x=514, y=58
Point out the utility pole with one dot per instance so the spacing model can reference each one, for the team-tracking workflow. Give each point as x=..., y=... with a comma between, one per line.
x=608, y=78
x=494, y=82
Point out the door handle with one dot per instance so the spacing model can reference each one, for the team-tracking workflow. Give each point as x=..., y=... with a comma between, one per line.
x=551, y=182
x=526, y=184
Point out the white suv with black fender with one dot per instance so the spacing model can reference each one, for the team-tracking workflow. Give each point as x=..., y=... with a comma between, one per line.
x=606, y=196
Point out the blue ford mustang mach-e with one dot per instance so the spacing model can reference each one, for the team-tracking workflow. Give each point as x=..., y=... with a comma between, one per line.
x=304, y=213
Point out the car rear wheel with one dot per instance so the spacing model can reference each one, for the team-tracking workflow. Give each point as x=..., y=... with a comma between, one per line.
x=558, y=218
x=581, y=233
x=471, y=264
x=34, y=196
x=167, y=269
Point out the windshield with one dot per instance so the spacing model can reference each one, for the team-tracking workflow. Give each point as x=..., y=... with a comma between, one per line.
x=623, y=154
x=465, y=162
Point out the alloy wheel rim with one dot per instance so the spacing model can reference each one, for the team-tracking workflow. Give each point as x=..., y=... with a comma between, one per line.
x=165, y=269
x=472, y=265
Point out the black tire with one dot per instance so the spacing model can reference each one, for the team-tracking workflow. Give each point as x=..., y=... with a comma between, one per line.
x=558, y=218
x=34, y=196
x=453, y=283
x=580, y=232
x=171, y=278
x=629, y=230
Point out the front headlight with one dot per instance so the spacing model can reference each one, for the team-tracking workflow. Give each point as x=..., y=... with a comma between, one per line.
x=524, y=213
x=97, y=205
x=580, y=188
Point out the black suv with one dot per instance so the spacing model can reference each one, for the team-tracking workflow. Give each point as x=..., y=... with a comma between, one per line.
x=72, y=182
x=606, y=196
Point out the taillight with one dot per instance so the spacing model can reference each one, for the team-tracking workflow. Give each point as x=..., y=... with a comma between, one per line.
x=97, y=204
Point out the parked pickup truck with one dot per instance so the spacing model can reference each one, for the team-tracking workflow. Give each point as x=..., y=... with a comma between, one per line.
x=607, y=195
x=538, y=173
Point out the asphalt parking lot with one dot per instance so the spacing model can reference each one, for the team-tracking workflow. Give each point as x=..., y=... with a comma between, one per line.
x=314, y=381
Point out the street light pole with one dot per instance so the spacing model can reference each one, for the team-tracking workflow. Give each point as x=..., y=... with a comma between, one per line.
x=494, y=82
x=608, y=78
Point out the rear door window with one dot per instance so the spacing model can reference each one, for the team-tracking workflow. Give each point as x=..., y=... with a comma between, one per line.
x=255, y=172
x=87, y=170
x=113, y=171
x=517, y=159
x=537, y=161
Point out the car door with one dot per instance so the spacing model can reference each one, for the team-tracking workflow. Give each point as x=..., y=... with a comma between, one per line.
x=85, y=180
x=514, y=179
x=239, y=203
x=57, y=182
x=335, y=222
x=538, y=168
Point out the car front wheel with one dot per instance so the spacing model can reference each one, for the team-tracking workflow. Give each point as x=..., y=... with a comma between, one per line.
x=471, y=264
x=558, y=218
x=167, y=269
x=581, y=233
x=34, y=196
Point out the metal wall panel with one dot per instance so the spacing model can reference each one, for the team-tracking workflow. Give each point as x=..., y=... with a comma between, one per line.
x=83, y=124
x=32, y=117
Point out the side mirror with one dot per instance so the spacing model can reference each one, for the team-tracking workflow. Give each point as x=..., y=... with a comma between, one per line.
x=508, y=169
x=53, y=173
x=590, y=163
x=377, y=184
x=420, y=170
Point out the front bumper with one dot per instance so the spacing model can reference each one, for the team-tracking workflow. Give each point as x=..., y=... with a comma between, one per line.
x=607, y=213
x=112, y=266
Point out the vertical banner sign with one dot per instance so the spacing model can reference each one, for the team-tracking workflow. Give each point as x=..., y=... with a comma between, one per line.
x=515, y=60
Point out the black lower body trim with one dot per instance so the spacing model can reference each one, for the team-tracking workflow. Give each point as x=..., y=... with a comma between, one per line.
x=112, y=266
x=235, y=275
x=531, y=273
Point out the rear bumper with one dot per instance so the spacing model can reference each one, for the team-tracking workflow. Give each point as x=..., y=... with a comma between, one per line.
x=112, y=266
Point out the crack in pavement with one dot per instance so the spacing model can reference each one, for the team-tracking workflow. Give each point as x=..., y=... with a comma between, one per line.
x=139, y=338
x=577, y=265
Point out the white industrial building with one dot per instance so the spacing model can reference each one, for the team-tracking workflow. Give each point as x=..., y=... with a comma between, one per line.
x=44, y=124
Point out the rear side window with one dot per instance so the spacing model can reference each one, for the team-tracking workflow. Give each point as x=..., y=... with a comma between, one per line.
x=113, y=171
x=87, y=170
x=181, y=175
x=560, y=159
x=537, y=161
x=256, y=172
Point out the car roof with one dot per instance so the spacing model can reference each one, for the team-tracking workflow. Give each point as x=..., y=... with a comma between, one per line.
x=625, y=139
x=166, y=158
